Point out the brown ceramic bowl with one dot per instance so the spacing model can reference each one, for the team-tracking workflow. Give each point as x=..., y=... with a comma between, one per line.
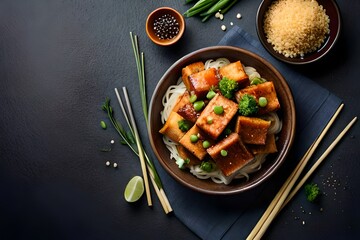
x=158, y=13
x=286, y=113
x=332, y=11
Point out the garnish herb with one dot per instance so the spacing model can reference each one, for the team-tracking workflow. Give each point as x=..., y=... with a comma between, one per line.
x=184, y=125
x=208, y=8
x=228, y=87
x=140, y=65
x=248, y=105
x=312, y=192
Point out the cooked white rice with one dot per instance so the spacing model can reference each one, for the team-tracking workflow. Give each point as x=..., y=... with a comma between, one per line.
x=296, y=27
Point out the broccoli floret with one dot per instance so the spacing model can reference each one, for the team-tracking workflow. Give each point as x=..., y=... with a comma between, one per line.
x=248, y=105
x=228, y=87
x=184, y=125
x=312, y=192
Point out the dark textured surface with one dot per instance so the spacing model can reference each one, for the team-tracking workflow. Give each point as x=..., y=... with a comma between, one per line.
x=59, y=60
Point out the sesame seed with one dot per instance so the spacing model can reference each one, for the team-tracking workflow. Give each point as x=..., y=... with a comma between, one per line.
x=112, y=141
x=115, y=165
x=238, y=16
x=223, y=27
x=107, y=163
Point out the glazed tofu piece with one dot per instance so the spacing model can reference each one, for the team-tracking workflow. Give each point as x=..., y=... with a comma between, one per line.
x=188, y=112
x=171, y=127
x=237, y=155
x=269, y=147
x=218, y=121
x=202, y=82
x=252, y=130
x=196, y=148
x=267, y=90
x=191, y=69
x=236, y=72
x=185, y=154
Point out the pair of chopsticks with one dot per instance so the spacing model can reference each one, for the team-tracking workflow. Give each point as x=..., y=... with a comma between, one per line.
x=129, y=116
x=287, y=192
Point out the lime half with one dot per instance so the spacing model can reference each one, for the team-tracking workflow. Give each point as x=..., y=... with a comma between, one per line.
x=134, y=189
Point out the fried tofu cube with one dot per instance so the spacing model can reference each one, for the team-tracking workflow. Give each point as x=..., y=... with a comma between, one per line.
x=269, y=147
x=202, y=82
x=236, y=72
x=237, y=155
x=252, y=130
x=218, y=121
x=267, y=90
x=196, y=148
x=185, y=154
x=171, y=127
x=191, y=69
x=181, y=101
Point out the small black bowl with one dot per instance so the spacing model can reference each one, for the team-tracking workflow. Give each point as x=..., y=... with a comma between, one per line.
x=332, y=11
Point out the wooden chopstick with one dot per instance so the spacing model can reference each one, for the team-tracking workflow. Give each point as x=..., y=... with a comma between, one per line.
x=138, y=143
x=276, y=204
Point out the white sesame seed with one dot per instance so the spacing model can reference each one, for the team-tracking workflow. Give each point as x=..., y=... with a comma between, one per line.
x=221, y=16
x=303, y=222
x=107, y=163
x=115, y=165
x=238, y=16
x=112, y=141
x=223, y=27
x=217, y=14
x=231, y=23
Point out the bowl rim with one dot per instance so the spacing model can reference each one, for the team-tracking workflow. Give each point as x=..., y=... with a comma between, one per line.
x=166, y=42
x=329, y=43
x=281, y=155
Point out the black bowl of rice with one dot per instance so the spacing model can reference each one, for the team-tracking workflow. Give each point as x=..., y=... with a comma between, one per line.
x=298, y=31
x=170, y=85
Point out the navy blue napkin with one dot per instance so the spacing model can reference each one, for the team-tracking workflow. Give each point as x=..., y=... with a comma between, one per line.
x=230, y=217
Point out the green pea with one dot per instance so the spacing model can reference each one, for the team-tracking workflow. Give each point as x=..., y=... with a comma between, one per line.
x=210, y=94
x=206, y=166
x=193, y=98
x=103, y=124
x=194, y=138
x=206, y=144
x=199, y=105
x=262, y=101
x=218, y=110
x=223, y=153
x=209, y=120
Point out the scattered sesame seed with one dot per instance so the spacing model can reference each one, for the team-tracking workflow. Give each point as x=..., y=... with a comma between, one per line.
x=107, y=163
x=238, y=16
x=112, y=141
x=221, y=16
x=303, y=222
x=223, y=27
x=115, y=165
x=217, y=14
x=231, y=23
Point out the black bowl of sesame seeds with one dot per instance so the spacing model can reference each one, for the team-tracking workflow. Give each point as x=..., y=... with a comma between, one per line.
x=165, y=26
